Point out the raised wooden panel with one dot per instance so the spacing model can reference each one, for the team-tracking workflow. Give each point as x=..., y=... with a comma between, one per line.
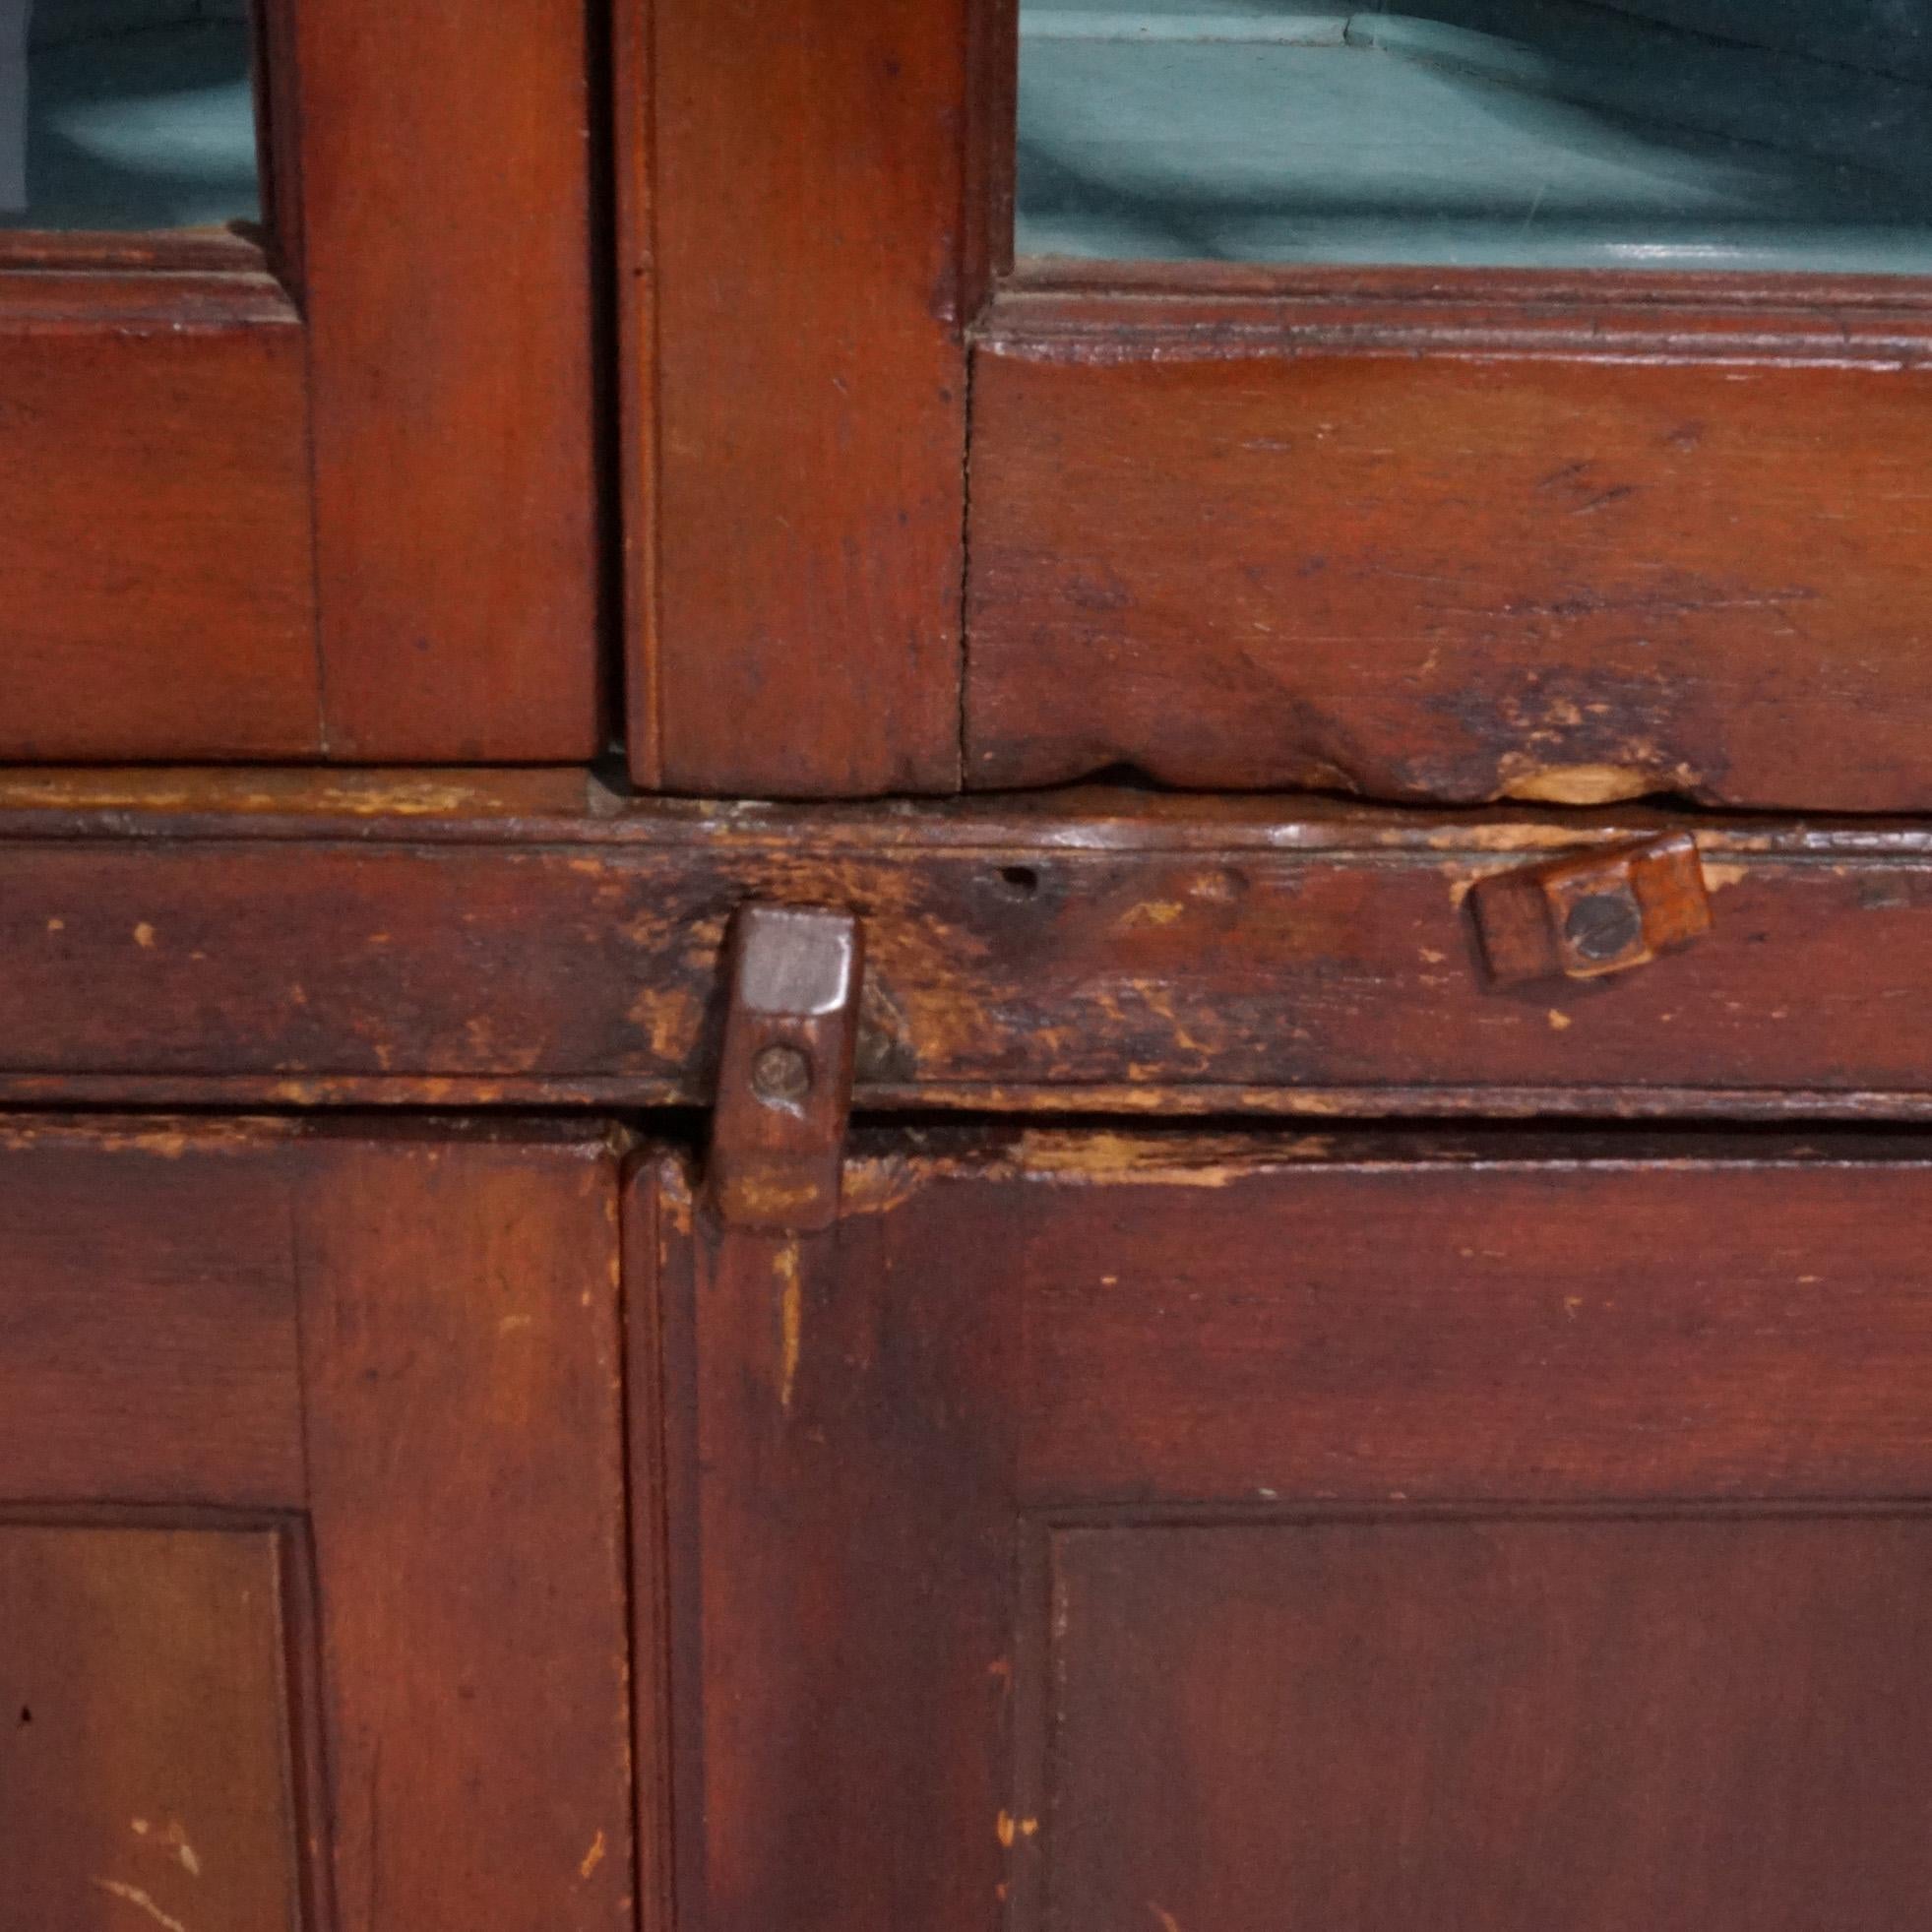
x=145, y=1724
x=1684, y=1724
x=1575, y=549
x=156, y=544
x=448, y=258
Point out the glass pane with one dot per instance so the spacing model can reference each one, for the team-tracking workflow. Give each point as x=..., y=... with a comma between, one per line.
x=1673, y=133
x=126, y=114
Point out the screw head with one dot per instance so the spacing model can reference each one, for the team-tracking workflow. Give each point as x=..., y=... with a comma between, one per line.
x=782, y=1075
x=1604, y=926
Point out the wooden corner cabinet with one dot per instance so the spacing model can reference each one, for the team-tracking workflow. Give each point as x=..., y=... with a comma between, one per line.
x=964, y=967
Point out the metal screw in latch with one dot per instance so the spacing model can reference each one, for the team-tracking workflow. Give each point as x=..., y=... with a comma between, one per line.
x=782, y=1075
x=1604, y=926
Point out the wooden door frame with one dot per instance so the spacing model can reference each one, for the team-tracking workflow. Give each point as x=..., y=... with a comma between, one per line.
x=333, y=495
x=865, y=1436
x=828, y=359
x=397, y=1345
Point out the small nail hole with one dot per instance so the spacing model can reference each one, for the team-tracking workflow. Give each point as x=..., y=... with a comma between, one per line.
x=1020, y=880
x=25, y=1715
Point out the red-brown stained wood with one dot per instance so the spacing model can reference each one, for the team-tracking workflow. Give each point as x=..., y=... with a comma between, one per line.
x=443, y=1447
x=802, y=262
x=1638, y=1322
x=169, y=938
x=1571, y=549
x=1116, y=1529
x=649, y=1420
x=155, y=548
x=839, y=1580
x=144, y=1725
x=148, y=1339
x=460, y=1331
x=1688, y=1724
x=446, y=193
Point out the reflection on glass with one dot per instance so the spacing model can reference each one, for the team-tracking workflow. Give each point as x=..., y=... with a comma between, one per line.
x=1748, y=134
x=126, y=114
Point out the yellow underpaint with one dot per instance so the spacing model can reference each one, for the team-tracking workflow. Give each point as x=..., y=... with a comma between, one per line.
x=791, y=1321
x=592, y=1858
x=1582, y=784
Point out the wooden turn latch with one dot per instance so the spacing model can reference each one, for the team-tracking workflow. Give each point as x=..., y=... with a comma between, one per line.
x=785, y=1077
x=1593, y=913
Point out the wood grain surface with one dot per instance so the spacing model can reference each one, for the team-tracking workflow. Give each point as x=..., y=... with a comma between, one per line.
x=145, y=1725
x=446, y=212
x=466, y=940
x=1515, y=1529
x=390, y=1353
x=155, y=546
x=1575, y=545
x=801, y=264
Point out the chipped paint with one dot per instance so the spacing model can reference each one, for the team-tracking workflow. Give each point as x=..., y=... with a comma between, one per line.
x=1583, y=784
x=791, y=1321
x=1560, y=1021
x=144, y=935
x=594, y=1857
x=1126, y=1159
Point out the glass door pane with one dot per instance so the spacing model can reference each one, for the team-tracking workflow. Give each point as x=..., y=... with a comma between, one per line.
x=1668, y=133
x=123, y=115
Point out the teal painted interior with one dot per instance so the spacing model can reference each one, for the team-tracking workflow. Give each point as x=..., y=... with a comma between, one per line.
x=123, y=115
x=1682, y=134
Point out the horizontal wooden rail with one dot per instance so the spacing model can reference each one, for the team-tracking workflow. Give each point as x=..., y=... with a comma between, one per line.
x=532, y=938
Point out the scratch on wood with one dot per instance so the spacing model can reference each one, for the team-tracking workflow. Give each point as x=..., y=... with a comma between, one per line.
x=133, y=1894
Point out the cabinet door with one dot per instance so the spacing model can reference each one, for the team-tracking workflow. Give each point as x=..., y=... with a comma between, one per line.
x=318, y=482
x=1134, y=1532
x=1487, y=399
x=310, y=1530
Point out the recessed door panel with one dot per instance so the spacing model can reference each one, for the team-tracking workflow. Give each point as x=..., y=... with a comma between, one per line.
x=1488, y=1724
x=146, y=1726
